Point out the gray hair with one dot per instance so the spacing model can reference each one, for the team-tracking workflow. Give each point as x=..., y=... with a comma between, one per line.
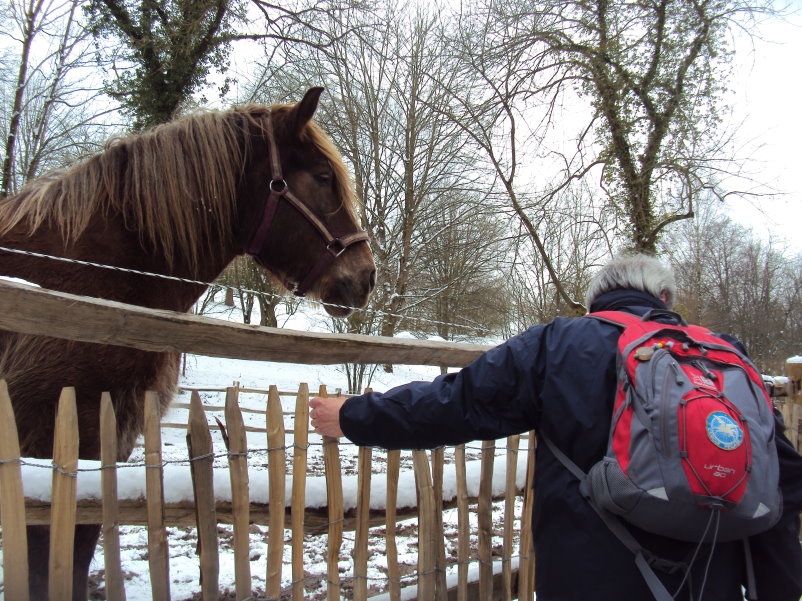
x=635, y=271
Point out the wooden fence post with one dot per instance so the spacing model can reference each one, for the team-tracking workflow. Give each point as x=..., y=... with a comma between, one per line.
x=240, y=493
x=334, y=496
x=201, y=463
x=12, y=504
x=511, y=491
x=485, y=511
x=441, y=586
x=115, y=590
x=63, y=502
x=426, y=531
x=276, y=465
x=298, y=508
x=393, y=570
x=364, y=461
x=463, y=525
x=526, y=566
x=158, y=554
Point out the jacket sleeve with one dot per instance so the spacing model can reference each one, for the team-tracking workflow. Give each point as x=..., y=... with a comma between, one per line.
x=496, y=395
x=776, y=553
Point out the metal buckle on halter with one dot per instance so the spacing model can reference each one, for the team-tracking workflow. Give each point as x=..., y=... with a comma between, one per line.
x=279, y=186
x=336, y=247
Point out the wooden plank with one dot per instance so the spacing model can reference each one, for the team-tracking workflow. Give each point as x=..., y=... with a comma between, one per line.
x=334, y=496
x=115, y=589
x=65, y=476
x=511, y=491
x=441, y=587
x=201, y=449
x=391, y=516
x=31, y=310
x=276, y=465
x=133, y=513
x=240, y=495
x=299, y=464
x=364, y=463
x=423, y=480
x=463, y=523
x=158, y=554
x=526, y=565
x=485, y=519
x=12, y=504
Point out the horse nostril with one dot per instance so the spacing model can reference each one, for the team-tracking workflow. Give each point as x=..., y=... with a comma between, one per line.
x=372, y=279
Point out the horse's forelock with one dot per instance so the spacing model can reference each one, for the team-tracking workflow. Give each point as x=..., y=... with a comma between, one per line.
x=314, y=135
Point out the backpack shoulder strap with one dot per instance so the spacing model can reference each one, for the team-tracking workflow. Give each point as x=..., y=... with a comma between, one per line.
x=643, y=559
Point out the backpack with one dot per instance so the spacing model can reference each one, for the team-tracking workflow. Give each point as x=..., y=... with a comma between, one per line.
x=691, y=452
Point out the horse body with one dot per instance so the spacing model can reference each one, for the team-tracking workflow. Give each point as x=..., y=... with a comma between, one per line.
x=111, y=210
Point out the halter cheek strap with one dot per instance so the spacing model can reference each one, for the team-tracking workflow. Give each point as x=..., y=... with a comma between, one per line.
x=334, y=246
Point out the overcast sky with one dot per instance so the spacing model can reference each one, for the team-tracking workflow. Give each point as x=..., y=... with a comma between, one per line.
x=768, y=85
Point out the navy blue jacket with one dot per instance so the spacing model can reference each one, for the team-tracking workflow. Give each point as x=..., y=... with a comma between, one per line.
x=559, y=379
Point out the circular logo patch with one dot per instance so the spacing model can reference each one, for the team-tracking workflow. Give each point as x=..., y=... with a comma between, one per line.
x=723, y=431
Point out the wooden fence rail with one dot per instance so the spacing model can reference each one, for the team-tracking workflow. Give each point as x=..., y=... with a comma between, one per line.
x=204, y=511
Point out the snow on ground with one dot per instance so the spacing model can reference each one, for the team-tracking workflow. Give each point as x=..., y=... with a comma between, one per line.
x=208, y=372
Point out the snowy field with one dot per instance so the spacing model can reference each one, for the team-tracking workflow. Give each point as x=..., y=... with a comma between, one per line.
x=206, y=372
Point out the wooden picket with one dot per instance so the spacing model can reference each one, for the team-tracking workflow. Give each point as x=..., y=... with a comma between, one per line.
x=276, y=461
x=526, y=567
x=237, y=444
x=12, y=504
x=298, y=508
x=429, y=478
x=62, y=528
x=485, y=529
x=334, y=498
x=393, y=570
x=511, y=492
x=463, y=527
x=441, y=588
x=115, y=589
x=158, y=555
x=426, y=530
x=201, y=457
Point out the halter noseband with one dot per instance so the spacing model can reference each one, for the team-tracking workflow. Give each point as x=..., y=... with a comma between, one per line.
x=334, y=245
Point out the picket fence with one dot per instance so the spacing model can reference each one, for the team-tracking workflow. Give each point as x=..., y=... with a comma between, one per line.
x=514, y=579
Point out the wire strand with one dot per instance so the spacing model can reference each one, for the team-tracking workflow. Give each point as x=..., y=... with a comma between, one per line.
x=261, y=293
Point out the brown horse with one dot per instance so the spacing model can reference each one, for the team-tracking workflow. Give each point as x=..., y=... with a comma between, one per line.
x=183, y=200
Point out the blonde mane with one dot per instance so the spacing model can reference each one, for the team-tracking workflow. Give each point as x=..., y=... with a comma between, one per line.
x=175, y=184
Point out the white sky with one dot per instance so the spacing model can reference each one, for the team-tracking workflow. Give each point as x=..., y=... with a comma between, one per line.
x=768, y=88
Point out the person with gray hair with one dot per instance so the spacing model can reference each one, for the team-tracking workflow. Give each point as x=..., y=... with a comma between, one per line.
x=637, y=272
x=560, y=380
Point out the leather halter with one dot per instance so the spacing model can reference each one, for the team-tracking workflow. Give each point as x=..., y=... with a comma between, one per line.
x=335, y=245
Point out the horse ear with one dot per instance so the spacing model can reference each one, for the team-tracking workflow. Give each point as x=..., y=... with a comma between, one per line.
x=305, y=109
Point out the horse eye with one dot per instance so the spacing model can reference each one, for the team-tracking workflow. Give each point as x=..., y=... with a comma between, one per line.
x=323, y=178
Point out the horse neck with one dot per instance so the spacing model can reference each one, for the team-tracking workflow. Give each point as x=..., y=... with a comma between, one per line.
x=108, y=243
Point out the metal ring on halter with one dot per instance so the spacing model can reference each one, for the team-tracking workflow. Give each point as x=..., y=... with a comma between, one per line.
x=336, y=247
x=279, y=186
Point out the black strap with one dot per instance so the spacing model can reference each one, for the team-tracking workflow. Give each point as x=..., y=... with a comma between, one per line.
x=643, y=559
x=751, y=585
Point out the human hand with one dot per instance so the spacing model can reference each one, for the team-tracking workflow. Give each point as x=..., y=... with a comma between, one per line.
x=325, y=415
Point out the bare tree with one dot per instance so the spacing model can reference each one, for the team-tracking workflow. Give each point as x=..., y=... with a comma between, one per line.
x=731, y=281
x=51, y=112
x=647, y=80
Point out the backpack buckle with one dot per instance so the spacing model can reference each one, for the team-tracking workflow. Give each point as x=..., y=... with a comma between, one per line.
x=664, y=565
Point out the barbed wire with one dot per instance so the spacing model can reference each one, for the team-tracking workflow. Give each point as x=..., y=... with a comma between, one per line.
x=497, y=451
x=222, y=286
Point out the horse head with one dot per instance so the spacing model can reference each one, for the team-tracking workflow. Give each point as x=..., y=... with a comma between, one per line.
x=301, y=223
